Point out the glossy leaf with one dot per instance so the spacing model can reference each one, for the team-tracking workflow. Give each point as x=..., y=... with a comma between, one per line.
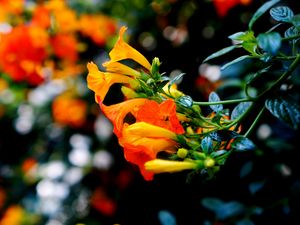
x=175, y=79
x=292, y=31
x=218, y=153
x=220, y=53
x=229, y=210
x=281, y=13
x=242, y=144
x=185, y=101
x=166, y=218
x=265, y=7
x=269, y=42
x=241, y=58
x=214, y=97
x=240, y=109
x=212, y=203
x=257, y=75
x=207, y=145
x=243, y=36
x=284, y=109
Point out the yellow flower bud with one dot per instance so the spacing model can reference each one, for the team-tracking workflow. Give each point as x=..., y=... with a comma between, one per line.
x=182, y=153
x=162, y=166
x=209, y=162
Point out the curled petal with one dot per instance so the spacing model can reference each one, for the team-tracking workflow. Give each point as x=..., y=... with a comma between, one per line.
x=123, y=51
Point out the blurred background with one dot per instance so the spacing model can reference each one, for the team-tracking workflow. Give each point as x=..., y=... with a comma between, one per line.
x=60, y=164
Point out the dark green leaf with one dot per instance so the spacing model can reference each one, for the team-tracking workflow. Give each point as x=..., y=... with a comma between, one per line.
x=265, y=7
x=207, y=145
x=241, y=144
x=281, y=13
x=296, y=21
x=213, y=97
x=220, y=52
x=244, y=222
x=229, y=209
x=240, y=109
x=185, y=101
x=269, y=42
x=241, y=58
x=246, y=169
x=212, y=203
x=256, y=186
x=285, y=109
x=257, y=75
x=166, y=218
x=223, y=135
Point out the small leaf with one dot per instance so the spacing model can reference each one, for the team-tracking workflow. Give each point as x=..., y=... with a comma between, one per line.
x=242, y=144
x=296, y=21
x=212, y=204
x=230, y=209
x=269, y=42
x=220, y=52
x=207, y=145
x=244, y=222
x=243, y=36
x=281, y=13
x=223, y=135
x=250, y=47
x=265, y=7
x=292, y=31
x=241, y=58
x=175, y=79
x=185, y=101
x=166, y=218
x=240, y=109
x=257, y=75
x=218, y=153
x=256, y=186
x=213, y=97
x=246, y=169
x=284, y=109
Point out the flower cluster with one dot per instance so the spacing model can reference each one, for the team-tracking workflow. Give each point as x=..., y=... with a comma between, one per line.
x=155, y=119
x=42, y=41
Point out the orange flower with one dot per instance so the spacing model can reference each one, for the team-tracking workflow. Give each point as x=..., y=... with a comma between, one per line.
x=163, y=115
x=98, y=27
x=142, y=142
x=117, y=112
x=100, y=82
x=41, y=17
x=13, y=216
x=122, y=51
x=8, y=7
x=223, y=6
x=24, y=63
x=65, y=47
x=69, y=111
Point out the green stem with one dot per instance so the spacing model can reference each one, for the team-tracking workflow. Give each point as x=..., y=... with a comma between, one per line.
x=285, y=75
x=249, y=99
x=255, y=122
x=291, y=37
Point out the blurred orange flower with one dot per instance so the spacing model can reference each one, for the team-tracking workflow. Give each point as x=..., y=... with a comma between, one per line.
x=97, y=27
x=22, y=52
x=65, y=46
x=12, y=216
x=69, y=111
x=8, y=7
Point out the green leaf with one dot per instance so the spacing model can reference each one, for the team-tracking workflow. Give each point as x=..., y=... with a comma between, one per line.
x=269, y=42
x=213, y=97
x=175, y=79
x=284, y=109
x=220, y=52
x=223, y=135
x=240, y=109
x=292, y=31
x=296, y=21
x=241, y=58
x=265, y=7
x=185, y=101
x=212, y=203
x=281, y=13
x=218, y=153
x=257, y=75
x=242, y=144
x=243, y=36
x=250, y=47
x=207, y=145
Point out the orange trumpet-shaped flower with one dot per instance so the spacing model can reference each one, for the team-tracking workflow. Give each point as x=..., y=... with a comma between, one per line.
x=142, y=142
x=122, y=51
x=116, y=67
x=100, y=82
x=163, y=115
x=117, y=112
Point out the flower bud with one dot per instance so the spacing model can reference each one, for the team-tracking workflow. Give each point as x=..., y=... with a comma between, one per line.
x=182, y=153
